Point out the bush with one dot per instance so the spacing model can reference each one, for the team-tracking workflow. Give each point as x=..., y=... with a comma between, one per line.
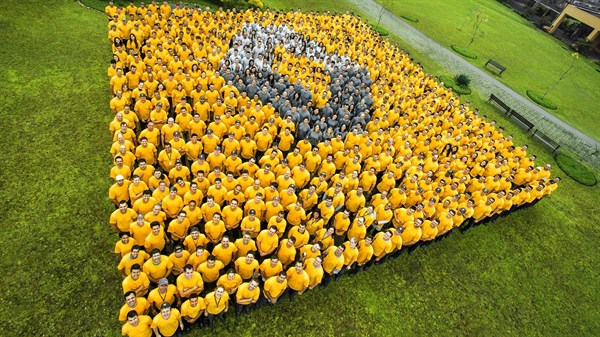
x=380, y=30
x=464, y=52
x=449, y=83
x=462, y=80
x=256, y=3
x=575, y=169
x=409, y=18
x=542, y=101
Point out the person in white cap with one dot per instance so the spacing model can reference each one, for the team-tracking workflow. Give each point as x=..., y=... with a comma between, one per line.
x=119, y=191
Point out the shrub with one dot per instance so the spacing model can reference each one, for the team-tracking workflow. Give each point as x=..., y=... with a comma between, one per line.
x=380, y=30
x=462, y=80
x=409, y=18
x=542, y=101
x=256, y=3
x=575, y=169
x=450, y=83
x=464, y=52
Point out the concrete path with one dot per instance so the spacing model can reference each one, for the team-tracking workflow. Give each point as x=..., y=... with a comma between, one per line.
x=567, y=136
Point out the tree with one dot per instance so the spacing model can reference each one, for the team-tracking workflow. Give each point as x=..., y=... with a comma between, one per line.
x=570, y=70
x=382, y=10
x=479, y=20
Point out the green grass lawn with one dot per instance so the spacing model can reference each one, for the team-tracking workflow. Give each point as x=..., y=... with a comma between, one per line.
x=534, y=59
x=532, y=273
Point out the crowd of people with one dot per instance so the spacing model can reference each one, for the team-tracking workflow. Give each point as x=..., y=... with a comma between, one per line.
x=258, y=155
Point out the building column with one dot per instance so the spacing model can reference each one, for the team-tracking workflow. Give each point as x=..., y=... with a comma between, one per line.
x=593, y=35
x=557, y=22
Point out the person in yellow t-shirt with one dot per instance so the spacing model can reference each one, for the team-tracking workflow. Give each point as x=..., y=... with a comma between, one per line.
x=164, y=293
x=139, y=305
x=355, y=200
x=230, y=281
x=192, y=311
x=313, y=267
x=287, y=251
x=274, y=287
x=298, y=280
x=167, y=322
x=350, y=256
x=333, y=262
x=365, y=253
x=178, y=228
x=217, y=304
x=412, y=233
x=168, y=157
x=247, y=266
x=267, y=241
x=137, y=281
x=247, y=296
x=263, y=141
x=145, y=204
x=210, y=271
x=382, y=245
x=232, y=215
x=224, y=251
x=270, y=267
x=137, y=325
x=158, y=266
x=215, y=229
x=189, y=282
x=121, y=218
x=244, y=245
x=124, y=245
x=251, y=224
x=300, y=234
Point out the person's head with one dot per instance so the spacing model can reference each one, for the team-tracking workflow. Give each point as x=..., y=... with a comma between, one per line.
x=135, y=270
x=155, y=226
x=163, y=284
x=165, y=310
x=298, y=266
x=155, y=255
x=219, y=291
x=132, y=317
x=281, y=277
x=193, y=299
x=130, y=298
x=178, y=250
x=210, y=261
x=188, y=270
x=124, y=236
x=123, y=206
x=353, y=242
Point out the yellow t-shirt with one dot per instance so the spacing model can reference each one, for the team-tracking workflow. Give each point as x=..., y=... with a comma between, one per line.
x=274, y=288
x=297, y=281
x=244, y=269
x=215, y=305
x=142, y=329
x=244, y=292
x=167, y=327
x=331, y=262
x=210, y=274
x=192, y=312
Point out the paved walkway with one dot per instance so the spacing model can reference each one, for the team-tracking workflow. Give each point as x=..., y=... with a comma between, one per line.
x=567, y=136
